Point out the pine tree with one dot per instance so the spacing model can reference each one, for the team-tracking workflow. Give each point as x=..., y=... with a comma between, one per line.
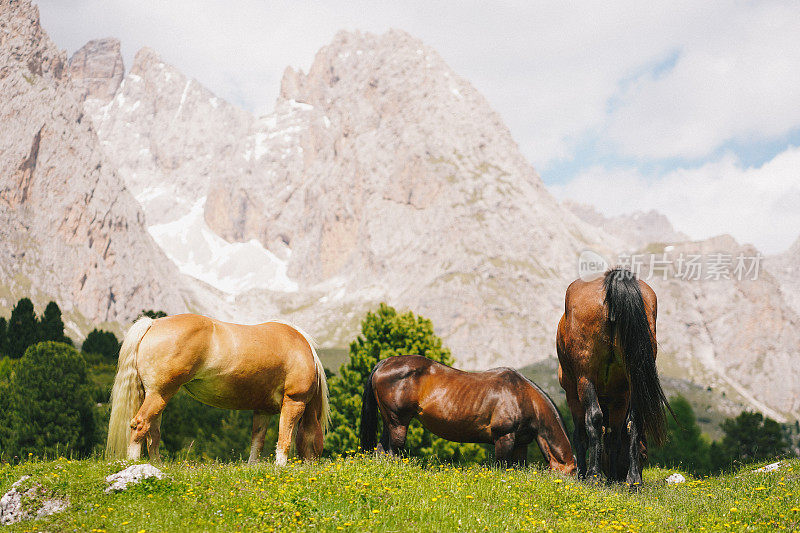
x=152, y=314
x=5, y=409
x=22, y=328
x=685, y=445
x=752, y=437
x=51, y=326
x=3, y=332
x=51, y=410
x=102, y=342
x=385, y=333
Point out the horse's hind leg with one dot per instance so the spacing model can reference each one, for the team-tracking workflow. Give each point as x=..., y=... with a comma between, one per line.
x=154, y=439
x=632, y=427
x=520, y=456
x=291, y=411
x=141, y=425
x=260, y=421
x=504, y=449
x=309, y=435
x=385, y=445
x=593, y=420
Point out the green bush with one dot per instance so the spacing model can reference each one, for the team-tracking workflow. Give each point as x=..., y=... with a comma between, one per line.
x=102, y=342
x=50, y=406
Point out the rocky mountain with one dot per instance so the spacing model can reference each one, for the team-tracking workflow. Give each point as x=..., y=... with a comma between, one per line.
x=386, y=176
x=786, y=269
x=382, y=175
x=636, y=230
x=71, y=231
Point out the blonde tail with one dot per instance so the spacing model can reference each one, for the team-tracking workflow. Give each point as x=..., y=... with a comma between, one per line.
x=125, y=396
x=322, y=381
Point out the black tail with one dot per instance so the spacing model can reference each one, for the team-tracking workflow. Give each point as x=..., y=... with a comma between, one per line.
x=369, y=416
x=628, y=318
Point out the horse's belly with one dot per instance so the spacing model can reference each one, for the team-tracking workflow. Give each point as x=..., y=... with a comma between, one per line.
x=457, y=430
x=233, y=393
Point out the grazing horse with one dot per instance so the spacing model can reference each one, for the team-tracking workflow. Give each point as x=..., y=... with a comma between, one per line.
x=498, y=406
x=606, y=346
x=269, y=368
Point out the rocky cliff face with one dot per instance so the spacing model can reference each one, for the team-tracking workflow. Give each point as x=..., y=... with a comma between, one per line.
x=97, y=69
x=786, y=269
x=636, y=230
x=731, y=329
x=163, y=131
x=70, y=229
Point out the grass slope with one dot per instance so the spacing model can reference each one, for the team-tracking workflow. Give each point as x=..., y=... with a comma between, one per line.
x=367, y=494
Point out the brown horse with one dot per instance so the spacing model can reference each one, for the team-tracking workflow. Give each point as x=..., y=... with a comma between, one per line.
x=269, y=368
x=498, y=406
x=606, y=346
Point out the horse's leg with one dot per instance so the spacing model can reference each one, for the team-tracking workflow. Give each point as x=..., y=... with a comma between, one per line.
x=593, y=420
x=579, y=433
x=632, y=426
x=151, y=409
x=520, y=455
x=385, y=445
x=154, y=439
x=260, y=421
x=309, y=436
x=291, y=411
x=504, y=448
x=397, y=437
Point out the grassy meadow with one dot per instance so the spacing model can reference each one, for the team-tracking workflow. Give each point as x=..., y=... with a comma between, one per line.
x=382, y=494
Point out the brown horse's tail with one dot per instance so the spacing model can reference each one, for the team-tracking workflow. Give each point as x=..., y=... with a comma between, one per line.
x=369, y=416
x=628, y=319
x=126, y=397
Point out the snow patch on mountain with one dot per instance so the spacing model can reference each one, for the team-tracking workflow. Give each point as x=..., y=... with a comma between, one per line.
x=230, y=267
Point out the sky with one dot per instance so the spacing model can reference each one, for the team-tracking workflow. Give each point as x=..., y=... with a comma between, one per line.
x=689, y=108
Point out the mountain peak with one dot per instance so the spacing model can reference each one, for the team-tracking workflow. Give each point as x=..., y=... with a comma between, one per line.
x=97, y=68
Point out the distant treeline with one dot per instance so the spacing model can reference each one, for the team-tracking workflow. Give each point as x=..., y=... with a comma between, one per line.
x=54, y=401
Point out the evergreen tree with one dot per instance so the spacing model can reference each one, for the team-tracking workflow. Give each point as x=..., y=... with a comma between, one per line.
x=385, y=333
x=102, y=342
x=51, y=411
x=152, y=314
x=3, y=328
x=5, y=409
x=51, y=326
x=22, y=328
x=685, y=445
x=752, y=437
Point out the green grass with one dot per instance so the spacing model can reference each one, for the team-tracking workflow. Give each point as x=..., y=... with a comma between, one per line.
x=368, y=494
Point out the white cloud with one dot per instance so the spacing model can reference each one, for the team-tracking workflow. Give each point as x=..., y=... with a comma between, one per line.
x=738, y=80
x=756, y=205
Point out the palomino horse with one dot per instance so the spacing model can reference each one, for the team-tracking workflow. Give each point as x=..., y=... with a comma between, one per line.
x=270, y=368
x=498, y=406
x=606, y=346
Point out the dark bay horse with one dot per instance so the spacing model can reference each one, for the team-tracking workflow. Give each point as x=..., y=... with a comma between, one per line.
x=498, y=406
x=270, y=368
x=606, y=346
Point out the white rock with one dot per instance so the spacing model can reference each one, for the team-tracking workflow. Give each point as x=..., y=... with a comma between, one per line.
x=12, y=510
x=770, y=467
x=133, y=474
x=675, y=479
